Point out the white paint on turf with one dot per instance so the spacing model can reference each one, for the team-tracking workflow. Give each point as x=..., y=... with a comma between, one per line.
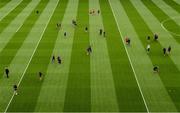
x=31, y=58
x=145, y=103
x=16, y=24
x=58, y=74
x=166, y=20
x=8, y=8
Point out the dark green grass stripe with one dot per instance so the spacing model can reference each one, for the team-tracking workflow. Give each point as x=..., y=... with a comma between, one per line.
x=7, y=20
x=128, y=95
x=30, y=86
x=10, y=50
x=161, y=16
x=173, y=4
x=78, y=93
x=169, y=73
x=3, y=3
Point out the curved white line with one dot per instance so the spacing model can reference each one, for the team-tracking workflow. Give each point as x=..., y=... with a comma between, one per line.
x=162, y=25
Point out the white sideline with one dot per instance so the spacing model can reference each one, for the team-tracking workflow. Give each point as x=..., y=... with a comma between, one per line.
x=130, y=61
x=30, y=59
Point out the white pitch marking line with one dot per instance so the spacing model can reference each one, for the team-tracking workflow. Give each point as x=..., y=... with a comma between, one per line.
x=130, y=62
x=30, y=60
x=162, y=25
x=10, y=10
x=19, y=28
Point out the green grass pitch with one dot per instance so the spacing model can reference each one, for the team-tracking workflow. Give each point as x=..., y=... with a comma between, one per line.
x=115, y=77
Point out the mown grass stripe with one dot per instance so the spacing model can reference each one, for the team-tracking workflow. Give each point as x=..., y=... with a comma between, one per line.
x=171, y=82
x=5, y=22
x=173, y=4
x=9, y=8
x=128, y=95
x=161, y=16
x=103, y=95
x=10, y=47
x=41, y=55
x=3, y=3
x=9, y=54
x=149, y=84
x=57, y=75
x=166, y=38
x=173, y=14
x=135, y=75
x=78, y=92
x=177, y=1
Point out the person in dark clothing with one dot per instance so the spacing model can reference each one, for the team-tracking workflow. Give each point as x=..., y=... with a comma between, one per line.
x=7, y=72
x=15, y=87
x=37, y=12
x=98, y=11
x=86, y=29
x=65, y=34
x=156, y=69
x=74, y=22
x=104, y=34
x=148, y=38
x=53, y=59
x=40, y=76
x=127, y=40
x=58, y=25
x=59, y=60
x=169, y=49
x=89, y=50
x=156, y=37
x=100, y=32
x=164, y=51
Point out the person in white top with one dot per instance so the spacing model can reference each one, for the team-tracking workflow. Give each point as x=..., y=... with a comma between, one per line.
x=148, y=48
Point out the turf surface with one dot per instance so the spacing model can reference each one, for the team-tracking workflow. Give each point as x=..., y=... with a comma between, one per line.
x=115, y=78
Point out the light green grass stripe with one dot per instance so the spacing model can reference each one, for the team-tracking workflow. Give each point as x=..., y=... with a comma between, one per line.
x=177, y=1
x=3, y=3
x=153, y=89
x=16, y=24
x=78, y=91
x=56, y=78
x=8, y=8
x=4, y=97
x=127, y=90
x=169, y=11
x=103, y=95
x=168, y=71
x=21, y=60
x=173, y=5
x=165, y=38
